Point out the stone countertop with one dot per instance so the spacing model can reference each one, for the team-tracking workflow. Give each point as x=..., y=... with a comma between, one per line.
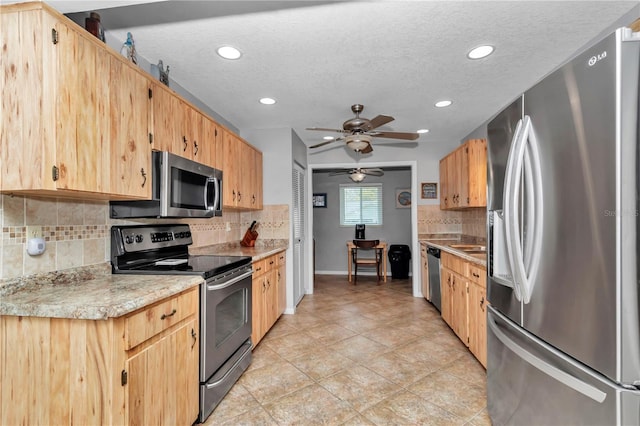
x=95, y=298
x=444, y=243
x=256, y=253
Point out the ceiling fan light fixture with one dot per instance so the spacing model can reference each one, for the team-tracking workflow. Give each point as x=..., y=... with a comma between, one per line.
x=229, y=52
x=358, y=142
x=357, y=176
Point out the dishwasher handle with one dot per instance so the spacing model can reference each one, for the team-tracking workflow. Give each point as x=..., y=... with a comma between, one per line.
x=432, y=251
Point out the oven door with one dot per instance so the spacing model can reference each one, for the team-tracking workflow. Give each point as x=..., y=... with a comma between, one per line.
x=225, y=322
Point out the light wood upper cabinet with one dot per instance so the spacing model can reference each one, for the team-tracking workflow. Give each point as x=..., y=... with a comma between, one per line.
x=463, y=176
x=242, y=174
x=59, y=135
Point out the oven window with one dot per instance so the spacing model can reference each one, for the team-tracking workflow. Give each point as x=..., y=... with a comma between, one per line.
x=230, y=315
x=187, y=189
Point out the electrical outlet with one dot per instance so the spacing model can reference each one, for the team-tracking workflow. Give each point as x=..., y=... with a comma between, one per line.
x=34, y=232
x=228, y=226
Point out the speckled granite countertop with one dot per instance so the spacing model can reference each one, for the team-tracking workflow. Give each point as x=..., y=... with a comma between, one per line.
x=444, y=241
x=259, y=252
x=93, y=295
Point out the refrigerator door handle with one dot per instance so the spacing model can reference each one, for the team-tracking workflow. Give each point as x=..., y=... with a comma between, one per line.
x=567, y=379
x=532, y=251
x=524, y=167
x=511, y=224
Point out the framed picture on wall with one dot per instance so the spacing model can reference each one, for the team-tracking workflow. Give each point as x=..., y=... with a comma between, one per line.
x=403, y=198
x=429, y=190
x=320, y=200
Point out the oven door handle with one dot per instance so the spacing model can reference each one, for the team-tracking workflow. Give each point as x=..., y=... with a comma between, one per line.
x=231, y=369
x=230, y=282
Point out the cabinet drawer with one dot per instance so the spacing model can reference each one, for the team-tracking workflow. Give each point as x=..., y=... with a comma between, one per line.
x=271, y=262
x=454, y=263
x=478, y=275
x=150, y=321
x=259, y=267
x=282, y=258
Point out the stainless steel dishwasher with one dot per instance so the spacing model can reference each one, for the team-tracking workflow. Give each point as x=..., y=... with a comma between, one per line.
x=433, y=261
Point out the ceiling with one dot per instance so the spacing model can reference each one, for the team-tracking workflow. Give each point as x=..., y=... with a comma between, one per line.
x=396, y=57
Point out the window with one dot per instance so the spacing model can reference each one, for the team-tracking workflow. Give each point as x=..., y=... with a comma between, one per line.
x=361, y=204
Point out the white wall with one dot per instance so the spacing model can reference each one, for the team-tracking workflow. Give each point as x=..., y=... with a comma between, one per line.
x=330, y=237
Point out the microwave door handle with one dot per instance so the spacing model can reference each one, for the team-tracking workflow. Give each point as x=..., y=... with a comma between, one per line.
x=216, y=196
x=207, y=206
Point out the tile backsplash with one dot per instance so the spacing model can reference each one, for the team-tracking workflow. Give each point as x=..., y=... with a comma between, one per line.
x=432, y=220
x=77, y=232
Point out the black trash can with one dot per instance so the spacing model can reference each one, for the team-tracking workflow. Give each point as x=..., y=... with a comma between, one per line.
x=399, y=257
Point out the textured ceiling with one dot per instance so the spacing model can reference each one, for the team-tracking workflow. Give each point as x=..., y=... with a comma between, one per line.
x=395, y=57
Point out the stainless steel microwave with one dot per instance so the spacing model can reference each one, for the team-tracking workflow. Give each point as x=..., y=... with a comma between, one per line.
x=181, y=188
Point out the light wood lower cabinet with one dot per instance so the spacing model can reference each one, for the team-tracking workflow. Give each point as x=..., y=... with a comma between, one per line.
x=463, y=288
x=267, y=294
x=71, y=371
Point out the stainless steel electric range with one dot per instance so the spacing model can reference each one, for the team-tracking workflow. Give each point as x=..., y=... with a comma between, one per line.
x=225, y=298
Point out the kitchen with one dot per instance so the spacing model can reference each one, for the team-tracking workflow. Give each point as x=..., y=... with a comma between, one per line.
x=61, y=218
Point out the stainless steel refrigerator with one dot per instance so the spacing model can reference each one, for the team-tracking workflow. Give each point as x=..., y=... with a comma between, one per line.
x=563, y=187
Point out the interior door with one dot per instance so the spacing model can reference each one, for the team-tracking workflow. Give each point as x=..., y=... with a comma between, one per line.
x=299, y=227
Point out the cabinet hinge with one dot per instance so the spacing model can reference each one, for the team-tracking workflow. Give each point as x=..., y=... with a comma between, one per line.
x=54, y=36
x=150, y=93
x=123, y=377
x=55, y=173
x=150, y=137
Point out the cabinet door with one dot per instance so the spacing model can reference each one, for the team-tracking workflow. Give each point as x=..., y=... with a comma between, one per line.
x=270, y=313
x=446, y=295
x=192, y=145
x=459, y=308
x=166, y=109
x=163, y=380
x=282, y=282
x=424, y=278
x=444, y=184
x=462, y=176
x=82, y=146
x=478, y=322
x=130, y=149
x=211, y=144
x=230, y=169
x=256, y=190
x=477, y=173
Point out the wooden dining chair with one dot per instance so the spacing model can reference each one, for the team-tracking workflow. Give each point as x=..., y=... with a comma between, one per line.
x=366, y=253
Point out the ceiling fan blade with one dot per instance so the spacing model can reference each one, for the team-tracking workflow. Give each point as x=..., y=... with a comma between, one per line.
x=375, y=171
x=395, y=135
x=379, y=121
x=396, y=144
x=322, y=129
x=318, y=145
x=367, y=150
x=341, y=172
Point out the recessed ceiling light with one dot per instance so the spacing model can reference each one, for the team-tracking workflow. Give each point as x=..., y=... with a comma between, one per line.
x=422, y=131
x=442, y=104
x=267, y=101
x=327, y=138
x=229, y=52
x=480, y=52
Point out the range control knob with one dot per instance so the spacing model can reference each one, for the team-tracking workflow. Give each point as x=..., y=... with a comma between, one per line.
x=139, y=238
x=128, y=239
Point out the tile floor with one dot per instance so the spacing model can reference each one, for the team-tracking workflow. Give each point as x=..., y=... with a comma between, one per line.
x=358, y=355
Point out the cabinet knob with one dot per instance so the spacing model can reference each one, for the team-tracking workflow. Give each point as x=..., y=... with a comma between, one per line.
x=239, y=196
x=184, y=141
x=195, y=148
x=482, y=304
x=253, y=199
x=194, y=337
x=234, y=194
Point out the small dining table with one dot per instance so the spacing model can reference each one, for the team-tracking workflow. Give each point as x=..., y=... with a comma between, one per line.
x=381, y=244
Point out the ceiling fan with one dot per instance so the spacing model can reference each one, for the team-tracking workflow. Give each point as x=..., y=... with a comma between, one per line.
x=359, y=131
x=358, y=174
